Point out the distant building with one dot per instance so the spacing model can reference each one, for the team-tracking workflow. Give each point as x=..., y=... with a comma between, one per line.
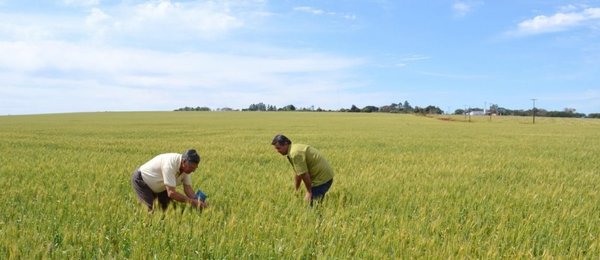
x=477, y=113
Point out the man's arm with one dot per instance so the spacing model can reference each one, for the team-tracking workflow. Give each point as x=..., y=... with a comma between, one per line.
x=297, y=181
x=173, y=194
x=189, y=191
x=305, y=177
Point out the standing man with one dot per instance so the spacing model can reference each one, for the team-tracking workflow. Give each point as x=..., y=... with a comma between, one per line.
x=308, y=164
x=159, y=177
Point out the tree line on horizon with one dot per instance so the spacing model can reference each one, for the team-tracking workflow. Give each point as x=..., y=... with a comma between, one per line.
x=406, y=108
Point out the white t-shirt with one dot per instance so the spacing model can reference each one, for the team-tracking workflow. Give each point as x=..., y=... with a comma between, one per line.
x=162, y=171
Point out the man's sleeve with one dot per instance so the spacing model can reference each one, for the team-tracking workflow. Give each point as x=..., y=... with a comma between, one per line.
x=300, y=163
x=187, y=179
x=168, y=172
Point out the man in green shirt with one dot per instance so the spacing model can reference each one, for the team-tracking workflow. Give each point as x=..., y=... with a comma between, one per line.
x=309, y=166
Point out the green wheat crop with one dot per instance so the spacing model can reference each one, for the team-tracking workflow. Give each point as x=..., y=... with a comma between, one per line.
x=405, y=187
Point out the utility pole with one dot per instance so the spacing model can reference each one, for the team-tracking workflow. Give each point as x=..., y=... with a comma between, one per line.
x=533, y=99
x=469, y=115
x=484, y=106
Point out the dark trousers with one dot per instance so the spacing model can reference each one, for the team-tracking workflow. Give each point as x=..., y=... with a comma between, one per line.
x=145, y=195
x=318, y=192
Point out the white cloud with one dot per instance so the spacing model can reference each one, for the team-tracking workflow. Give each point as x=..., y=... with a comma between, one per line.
x=557, y=22
x=23, y=32
x=349, y=16
x=109, y=76
x=414, y=57
x=200, y=19
x=96, y=16
x=568, y=8
x=453, y=76
x=461, y=8
x=81, y=2
x=316, y=11
x=148, y=22
x=98, y=24
x=592, y=13
x=308, y=9
x=105, y=60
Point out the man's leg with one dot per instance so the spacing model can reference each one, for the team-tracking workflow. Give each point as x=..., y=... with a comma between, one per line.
x=318, y=192
x=144, y=194
x=163, y=198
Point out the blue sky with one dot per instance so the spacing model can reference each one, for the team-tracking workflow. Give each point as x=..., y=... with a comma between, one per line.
x=133, y=55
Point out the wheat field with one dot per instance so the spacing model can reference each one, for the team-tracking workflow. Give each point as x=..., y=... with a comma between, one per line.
x=405, y=187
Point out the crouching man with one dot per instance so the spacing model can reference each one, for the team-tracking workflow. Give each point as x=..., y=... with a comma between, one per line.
x=159, y=177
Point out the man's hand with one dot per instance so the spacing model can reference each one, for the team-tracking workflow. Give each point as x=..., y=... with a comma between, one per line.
x=198, y=203
x=308, y=184
x=308, y=196
x=203, y=204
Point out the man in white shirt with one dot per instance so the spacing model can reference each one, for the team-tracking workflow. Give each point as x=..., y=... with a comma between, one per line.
x=159, y=177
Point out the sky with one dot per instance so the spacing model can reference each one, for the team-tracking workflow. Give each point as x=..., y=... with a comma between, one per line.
x=61, y=56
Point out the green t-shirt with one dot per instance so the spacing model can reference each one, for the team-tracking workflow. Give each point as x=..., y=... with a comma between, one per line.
x=304, y=159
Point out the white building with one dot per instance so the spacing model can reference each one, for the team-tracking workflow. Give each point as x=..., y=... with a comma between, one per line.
x=477, y=113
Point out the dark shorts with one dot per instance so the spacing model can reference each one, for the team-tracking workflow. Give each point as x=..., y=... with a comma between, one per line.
x=145, y=195
x=318, y=192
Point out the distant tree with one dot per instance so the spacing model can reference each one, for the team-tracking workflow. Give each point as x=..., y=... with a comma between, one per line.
x=289, y=108
x=493, y=109
x=354, y=109
x=539, y=112
x=385, y=109
x=566, y=113
x=389, y=108
x=459, y=112
x=258, y=107
x=433, y=110
x=419, y=110
x=594, y=115
x=193, y=109
x=519, y=112
x=406, y=107
x=370, y=109
x=262, y=107
x=502, y=111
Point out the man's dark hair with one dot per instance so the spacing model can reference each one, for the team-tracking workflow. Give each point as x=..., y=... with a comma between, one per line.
x=191, y=156
x=281, y=140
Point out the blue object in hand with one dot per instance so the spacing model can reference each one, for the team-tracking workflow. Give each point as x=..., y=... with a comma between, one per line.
x=200, y=195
